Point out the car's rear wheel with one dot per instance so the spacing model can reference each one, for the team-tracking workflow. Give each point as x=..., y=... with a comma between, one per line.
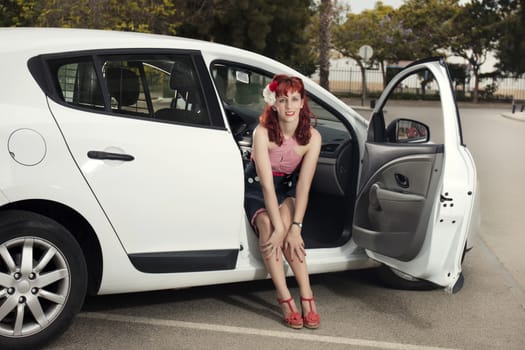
x=43, y=279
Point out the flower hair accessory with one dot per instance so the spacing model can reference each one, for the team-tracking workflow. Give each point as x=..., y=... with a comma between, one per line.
x=269, y=92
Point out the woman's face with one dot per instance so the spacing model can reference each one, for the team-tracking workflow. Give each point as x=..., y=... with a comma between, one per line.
x=289, y=106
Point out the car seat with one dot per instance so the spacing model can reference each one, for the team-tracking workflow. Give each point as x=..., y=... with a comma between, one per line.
x=123, y=85
x=187, y=105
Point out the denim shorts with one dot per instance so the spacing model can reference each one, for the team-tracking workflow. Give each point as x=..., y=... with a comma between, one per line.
x=284, y=184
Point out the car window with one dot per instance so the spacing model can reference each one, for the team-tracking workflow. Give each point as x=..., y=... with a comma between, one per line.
x=158, y=87
x=334, y=133
x=79, y=85
x=415, y=98
x=126, y=88
x=240, y=89
x=165, y=88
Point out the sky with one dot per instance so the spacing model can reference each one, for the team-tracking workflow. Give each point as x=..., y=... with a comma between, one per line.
x=359, y=5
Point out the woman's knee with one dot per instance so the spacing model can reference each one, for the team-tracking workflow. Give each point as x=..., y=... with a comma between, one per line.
x=264, y=224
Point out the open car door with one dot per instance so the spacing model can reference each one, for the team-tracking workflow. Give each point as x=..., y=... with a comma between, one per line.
x=417, y=183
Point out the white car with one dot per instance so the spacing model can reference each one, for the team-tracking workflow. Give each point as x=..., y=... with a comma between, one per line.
x=122, y=171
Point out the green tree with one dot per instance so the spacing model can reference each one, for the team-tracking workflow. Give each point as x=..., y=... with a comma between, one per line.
x=391, y=40
x=244, y=23
x=269, y=27
x=511, y=46
x=418, y=29
x=428, y=24
x=17, y=13
x=428, y=29
x=288, y=41
x=155, y=16
x=376, y=28
x=278, y=30
x=9, y=11
x=476, y=28
x=309, y=63
x=325, y=23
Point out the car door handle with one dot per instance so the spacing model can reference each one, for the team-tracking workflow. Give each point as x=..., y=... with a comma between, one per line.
x=110, y=156
x=402, y=180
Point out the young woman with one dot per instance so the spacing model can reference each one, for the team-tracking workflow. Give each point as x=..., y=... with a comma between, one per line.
x=284, y=157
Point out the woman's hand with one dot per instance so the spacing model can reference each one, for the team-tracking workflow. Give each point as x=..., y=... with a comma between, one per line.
x=294, y=244
x=273, y=245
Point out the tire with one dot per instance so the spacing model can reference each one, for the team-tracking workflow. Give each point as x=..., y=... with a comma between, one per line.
x=392, y=278
x=43, y=280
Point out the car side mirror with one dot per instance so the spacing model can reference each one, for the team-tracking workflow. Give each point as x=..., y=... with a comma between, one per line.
x=372, y=104
x=407, y=131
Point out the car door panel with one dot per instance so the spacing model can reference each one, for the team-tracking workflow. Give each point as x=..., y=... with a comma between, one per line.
x=173, y=191
x=383, y=153
x=415, y=200
x=391, y=215
x=181, y=193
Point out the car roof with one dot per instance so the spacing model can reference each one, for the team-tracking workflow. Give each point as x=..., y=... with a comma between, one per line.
x=27, y=42
x=35, y=41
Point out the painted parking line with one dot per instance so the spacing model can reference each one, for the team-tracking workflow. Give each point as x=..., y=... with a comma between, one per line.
x=255, y=331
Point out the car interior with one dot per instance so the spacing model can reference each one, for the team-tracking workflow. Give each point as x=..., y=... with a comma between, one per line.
x=328, y=219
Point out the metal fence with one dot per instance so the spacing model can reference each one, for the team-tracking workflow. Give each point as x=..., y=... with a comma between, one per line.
x=349, y=82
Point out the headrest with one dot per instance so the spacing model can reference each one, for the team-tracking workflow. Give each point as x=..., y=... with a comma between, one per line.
x=123, y=85
x=89, y=91
x=182, y=77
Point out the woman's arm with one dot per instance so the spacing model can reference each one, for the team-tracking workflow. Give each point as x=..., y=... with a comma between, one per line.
x=294, y=242
x=261, y=157
x=306, y=175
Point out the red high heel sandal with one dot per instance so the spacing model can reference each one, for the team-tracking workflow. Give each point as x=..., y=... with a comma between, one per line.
x=294, y=320
x=312, y=319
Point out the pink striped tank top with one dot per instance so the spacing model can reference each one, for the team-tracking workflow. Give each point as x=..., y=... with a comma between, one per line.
x=284, y=159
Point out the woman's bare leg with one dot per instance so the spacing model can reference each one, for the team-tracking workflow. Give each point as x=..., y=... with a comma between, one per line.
x=299, y=267
x=274, y=267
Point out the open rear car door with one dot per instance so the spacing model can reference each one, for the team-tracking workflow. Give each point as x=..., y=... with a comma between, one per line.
x=417, y=183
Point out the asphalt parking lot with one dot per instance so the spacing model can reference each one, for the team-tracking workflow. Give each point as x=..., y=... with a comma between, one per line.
x=357, y=312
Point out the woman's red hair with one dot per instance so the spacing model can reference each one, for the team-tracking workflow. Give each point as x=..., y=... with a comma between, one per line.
x=269, y=119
